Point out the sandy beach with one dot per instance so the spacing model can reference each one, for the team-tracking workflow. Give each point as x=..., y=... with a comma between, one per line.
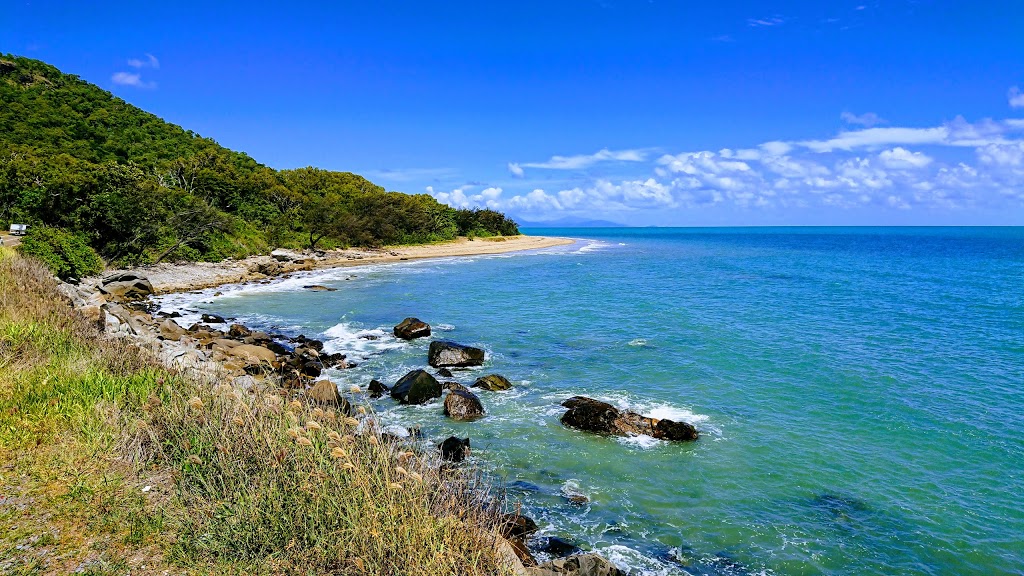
x=181, y=277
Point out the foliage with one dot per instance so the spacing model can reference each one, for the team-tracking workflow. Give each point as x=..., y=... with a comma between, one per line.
x=68, y=255
x=141, y=189
x=126, y=467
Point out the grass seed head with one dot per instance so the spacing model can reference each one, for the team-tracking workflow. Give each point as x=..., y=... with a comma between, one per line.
x=303, y=441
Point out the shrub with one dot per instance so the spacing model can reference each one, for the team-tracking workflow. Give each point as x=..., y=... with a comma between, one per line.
x=68, y=255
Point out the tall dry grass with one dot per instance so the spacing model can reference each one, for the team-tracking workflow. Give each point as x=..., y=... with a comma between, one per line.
x=262, y=482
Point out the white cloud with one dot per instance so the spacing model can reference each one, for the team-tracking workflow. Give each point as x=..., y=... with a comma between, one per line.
x=901, y=158
x=765, y=22
x=515, y=170
x=868, y=119
x=131, y=79
x=1016, y=98
x=458, y=198
x=878, y=138
x=149, y=62
x=587, y=160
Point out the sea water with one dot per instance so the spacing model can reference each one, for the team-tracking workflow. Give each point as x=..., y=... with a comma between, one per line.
x=859, y=392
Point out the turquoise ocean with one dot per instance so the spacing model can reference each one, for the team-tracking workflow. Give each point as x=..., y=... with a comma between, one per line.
x=859, y=391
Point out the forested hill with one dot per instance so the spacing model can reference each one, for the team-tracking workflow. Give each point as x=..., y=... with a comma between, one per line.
x=84, y=167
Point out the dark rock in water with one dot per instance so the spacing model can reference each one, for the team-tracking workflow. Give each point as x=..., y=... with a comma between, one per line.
x=667, y=429
x=444, y=372
x=559, y=547
x=454, y=449
x=278, y=348
x=412, y=328
x=198, y=327
x=319, y=288
x=579, y=565
x=602, y=418
x=416, y=387
x=369, y=337
x=238, y=331
x=463, y=405
x=312, y=368
x=492, y=382
x=174, y=314
x=516, y=525
x=377, y=389
x=446, y=353
x=840, y=506
x=453, y=386
x=213, y=319
x=590, y=415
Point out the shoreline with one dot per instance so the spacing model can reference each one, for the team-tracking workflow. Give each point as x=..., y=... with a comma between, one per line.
x=188, y=276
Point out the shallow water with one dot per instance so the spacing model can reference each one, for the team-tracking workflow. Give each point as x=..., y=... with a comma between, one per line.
x=858, y=391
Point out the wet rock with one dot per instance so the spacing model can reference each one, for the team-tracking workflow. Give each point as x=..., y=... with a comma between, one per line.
x=377, y=389
x=238, y=331
x=416, y=387
x=213, y=319
x=444, y=353
x=312, y=368
x=454, y=449
x=412, y=328
x=492, y=382
x=559, y=547
x=453, y=386
x=516, y=525
x=463, y=405
x=602, y=418
x=445, y=373
x=319, y=288
x=278, y=348
x=579, y=565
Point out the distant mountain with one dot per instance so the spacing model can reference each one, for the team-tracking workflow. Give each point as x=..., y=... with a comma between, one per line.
x=569, y=222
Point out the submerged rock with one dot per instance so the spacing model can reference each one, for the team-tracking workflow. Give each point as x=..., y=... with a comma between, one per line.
x=416, y=387
x=602, y=418
x=319, y=288
x=412, y=328
x=454, y=449
x=463, y=405
x=492, y=382
x=445, y=353
x=579, y=565
x=444, y=372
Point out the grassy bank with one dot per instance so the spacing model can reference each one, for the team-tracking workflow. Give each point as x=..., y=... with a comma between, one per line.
x=110, y=463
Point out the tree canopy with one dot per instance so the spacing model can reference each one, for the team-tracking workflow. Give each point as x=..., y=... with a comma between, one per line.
x=138, y=189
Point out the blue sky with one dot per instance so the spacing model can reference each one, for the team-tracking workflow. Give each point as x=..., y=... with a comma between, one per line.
x=641, y=112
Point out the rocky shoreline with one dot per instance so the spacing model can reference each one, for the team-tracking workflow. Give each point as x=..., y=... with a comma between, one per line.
x=218, y=351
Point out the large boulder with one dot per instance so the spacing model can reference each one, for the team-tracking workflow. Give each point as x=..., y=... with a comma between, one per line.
x=170, y=330
x=446, y=353
x=602, y=418
x=412, y=328
x=579, y=565
x=463, y=405
x=454, y=449
x=126, y=285
x=492, y=382
x=252, y=354
x=416, y=387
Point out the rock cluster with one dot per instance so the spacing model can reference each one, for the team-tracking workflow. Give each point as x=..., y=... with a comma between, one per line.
x=601, y=417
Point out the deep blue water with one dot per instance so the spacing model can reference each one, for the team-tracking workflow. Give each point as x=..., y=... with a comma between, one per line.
x=859, y=391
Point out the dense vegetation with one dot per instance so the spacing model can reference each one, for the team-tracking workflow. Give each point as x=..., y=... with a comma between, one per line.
x=138, y=189
x=112, y=464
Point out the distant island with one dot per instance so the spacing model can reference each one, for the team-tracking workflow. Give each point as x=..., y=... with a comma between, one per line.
x=569, y=222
